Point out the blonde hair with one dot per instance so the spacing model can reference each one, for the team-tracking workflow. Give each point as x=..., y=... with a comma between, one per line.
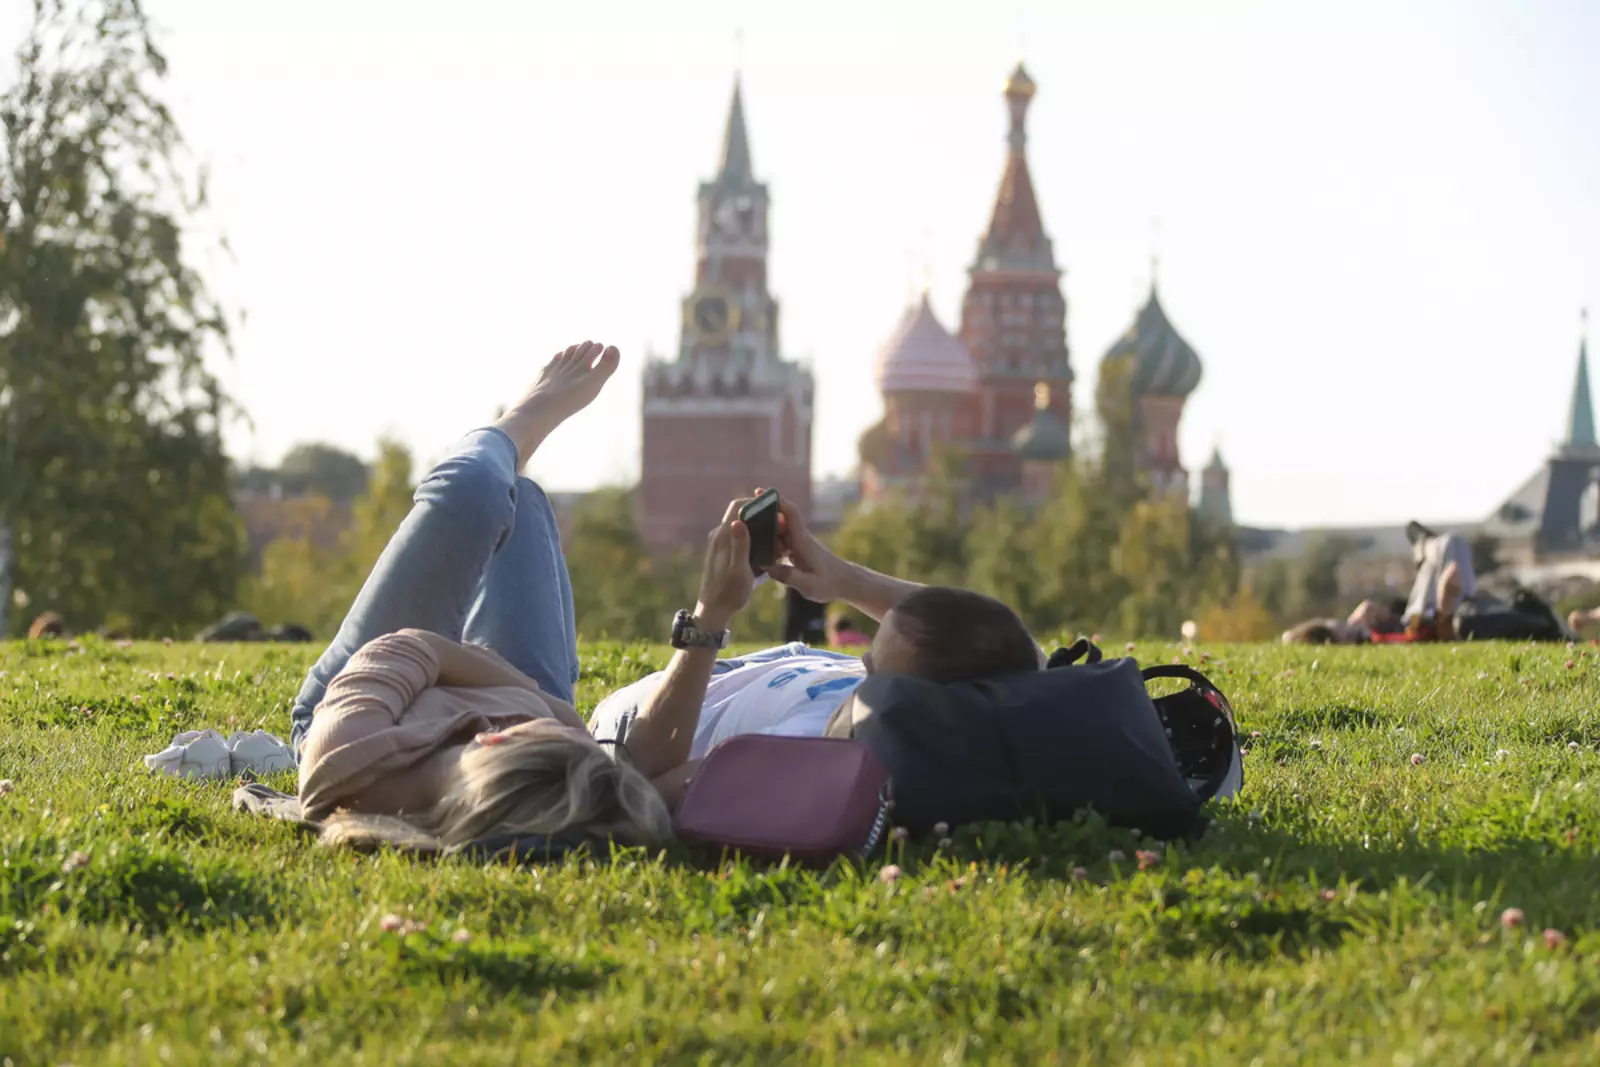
x=543, y=779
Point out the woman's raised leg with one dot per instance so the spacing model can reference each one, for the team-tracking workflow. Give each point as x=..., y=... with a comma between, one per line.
x=523, y=608
x=431, y=574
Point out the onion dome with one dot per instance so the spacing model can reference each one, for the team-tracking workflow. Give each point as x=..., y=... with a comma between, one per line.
x=1019, y=84
x=1163, y=363
x=921, y=356
x=1044, y=438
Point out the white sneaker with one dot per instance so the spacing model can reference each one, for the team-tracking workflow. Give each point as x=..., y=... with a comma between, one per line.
x=193, y=754
x=260, y=753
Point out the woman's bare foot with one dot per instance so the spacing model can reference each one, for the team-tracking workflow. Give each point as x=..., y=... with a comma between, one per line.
x=567, y=385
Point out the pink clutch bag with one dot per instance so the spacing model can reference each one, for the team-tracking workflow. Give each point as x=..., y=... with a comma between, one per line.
x=812, y=799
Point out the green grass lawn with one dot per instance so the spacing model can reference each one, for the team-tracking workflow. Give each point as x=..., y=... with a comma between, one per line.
x=1347, y=910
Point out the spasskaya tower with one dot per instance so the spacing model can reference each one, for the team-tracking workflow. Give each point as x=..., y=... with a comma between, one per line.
x=729, y=413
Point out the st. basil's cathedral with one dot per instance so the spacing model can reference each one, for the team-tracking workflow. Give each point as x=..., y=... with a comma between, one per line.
x=730, y=413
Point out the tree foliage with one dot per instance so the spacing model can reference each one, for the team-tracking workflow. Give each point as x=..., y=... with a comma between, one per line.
x=302, y=582
x=1099, y=552
x=311, y=468
x=113, y=484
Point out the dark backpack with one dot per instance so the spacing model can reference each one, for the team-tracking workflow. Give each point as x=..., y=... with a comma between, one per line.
x=1050, y=744
x=1527, y=618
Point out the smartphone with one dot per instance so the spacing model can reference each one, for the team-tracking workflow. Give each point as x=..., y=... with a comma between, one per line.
x=760, y=517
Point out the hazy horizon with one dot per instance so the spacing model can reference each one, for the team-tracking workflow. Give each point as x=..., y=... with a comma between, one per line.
x=1377, y=223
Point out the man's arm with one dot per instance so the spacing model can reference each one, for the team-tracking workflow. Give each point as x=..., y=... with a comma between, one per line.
x=818, y=574
x=869, y=592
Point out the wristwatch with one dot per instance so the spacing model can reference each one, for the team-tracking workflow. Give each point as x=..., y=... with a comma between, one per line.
x=686, y=634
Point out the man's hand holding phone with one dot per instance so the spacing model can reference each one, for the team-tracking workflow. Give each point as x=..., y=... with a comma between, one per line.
x=726, y=581
x=805, y=564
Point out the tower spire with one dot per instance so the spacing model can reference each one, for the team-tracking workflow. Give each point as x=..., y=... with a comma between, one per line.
x=1016, y=239
x=1580, y=422
x=734, y=167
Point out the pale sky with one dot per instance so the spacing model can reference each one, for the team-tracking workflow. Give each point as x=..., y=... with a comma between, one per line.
x=1378, y=220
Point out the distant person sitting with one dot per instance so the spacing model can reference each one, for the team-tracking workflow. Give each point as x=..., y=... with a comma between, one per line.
x=844, y=633
x=1444, y=579
x=803, y=618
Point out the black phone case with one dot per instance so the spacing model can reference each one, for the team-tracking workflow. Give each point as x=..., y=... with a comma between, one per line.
x=763, y=527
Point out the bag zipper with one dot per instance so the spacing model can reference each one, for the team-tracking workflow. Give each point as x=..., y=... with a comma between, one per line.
x=885, y=803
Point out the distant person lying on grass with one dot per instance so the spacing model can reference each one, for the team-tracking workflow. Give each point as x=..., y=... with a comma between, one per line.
x=1444, y=579
x=407, y=735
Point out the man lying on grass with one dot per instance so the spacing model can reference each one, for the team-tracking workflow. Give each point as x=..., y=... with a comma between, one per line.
x=442, y=711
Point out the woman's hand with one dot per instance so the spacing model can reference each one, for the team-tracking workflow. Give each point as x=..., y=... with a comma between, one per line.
x=808, y=568
x=727, y=580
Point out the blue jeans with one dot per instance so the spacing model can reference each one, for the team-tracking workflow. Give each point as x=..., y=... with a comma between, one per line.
x=478, y=559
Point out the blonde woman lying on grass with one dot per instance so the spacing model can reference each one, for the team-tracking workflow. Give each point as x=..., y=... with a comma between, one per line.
x=442, y=710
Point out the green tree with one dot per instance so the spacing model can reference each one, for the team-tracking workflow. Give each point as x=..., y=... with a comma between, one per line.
x=320, y=468
x=924, y=539
x=114, y=490
x=618, y=590
x=300, y=581
x=1314, y=577
x=1003, y=563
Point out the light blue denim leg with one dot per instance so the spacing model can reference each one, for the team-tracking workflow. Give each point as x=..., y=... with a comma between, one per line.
x=429, y=574
x=524, y=606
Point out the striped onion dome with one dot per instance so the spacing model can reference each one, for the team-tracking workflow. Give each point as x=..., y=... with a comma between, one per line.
x=1163, y=363
x=921, y=356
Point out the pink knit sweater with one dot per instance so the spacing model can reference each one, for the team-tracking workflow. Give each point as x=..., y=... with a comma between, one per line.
x=382, y=716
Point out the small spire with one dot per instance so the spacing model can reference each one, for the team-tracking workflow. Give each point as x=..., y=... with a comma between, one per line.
x=1019, y=94
x=1580, y=421
x=735, y=164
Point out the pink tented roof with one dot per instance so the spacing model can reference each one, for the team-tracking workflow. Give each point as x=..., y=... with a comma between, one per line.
x=921, y=356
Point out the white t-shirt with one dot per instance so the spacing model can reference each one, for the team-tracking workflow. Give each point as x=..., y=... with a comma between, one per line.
x=790, y=691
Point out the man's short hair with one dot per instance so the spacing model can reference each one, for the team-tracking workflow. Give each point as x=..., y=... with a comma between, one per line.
x=957, y=635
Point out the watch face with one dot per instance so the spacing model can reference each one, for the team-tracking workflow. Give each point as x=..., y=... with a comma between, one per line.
x=711, y=315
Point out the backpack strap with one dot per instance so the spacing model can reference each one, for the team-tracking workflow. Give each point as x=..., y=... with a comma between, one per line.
x=1178, y=670
x=1082, y=648
x=1200, y=702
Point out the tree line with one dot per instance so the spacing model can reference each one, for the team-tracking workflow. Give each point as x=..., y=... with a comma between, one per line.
x=118, y=502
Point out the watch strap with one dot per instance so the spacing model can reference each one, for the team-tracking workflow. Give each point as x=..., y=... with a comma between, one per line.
x=686, y=634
